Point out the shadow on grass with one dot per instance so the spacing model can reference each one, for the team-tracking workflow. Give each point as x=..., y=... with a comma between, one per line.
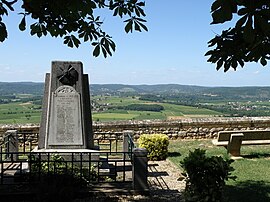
x=254, y=155
x=248, y=191
x=174, y=154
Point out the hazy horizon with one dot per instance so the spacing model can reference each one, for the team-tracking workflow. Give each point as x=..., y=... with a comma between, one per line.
x=137, y=84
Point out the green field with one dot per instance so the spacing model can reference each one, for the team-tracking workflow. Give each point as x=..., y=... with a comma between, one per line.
x=171, y=111
x=18, y=112
x=128, y=115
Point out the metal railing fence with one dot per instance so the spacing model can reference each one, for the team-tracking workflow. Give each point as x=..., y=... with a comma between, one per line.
x=18, y=161
x=90, y=167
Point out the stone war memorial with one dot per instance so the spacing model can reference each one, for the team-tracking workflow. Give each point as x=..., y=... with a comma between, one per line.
x=64, y=147
x=66, y=122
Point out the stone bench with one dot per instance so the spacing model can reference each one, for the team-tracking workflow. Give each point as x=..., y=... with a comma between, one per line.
x=233, y=140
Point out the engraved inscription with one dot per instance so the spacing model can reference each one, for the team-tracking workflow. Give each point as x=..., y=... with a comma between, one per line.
x=65, y=112
x=65, y=127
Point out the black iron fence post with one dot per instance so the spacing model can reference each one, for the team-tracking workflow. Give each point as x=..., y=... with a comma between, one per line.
x=126, y=138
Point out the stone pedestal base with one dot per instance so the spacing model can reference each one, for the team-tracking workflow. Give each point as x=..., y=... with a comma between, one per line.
x=84, y=155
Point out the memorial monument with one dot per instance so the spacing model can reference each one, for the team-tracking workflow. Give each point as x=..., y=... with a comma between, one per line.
x=66, y=121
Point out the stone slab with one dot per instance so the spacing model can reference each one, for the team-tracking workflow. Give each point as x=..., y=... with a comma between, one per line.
x=66, y=150
x=66, y=122
x=67, y=153
x=44, y=114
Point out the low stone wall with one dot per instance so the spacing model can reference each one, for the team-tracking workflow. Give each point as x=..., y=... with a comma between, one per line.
x=176, y=129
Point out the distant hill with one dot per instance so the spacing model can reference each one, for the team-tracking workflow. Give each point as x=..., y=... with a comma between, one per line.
x=235, y=93
x=159, y=88
x=10, y=88
x=232, y=93
x=260, y=93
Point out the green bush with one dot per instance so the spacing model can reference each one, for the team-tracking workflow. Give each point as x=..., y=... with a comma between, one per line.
x=57, y=166
x=206, y=176
x=156, y=145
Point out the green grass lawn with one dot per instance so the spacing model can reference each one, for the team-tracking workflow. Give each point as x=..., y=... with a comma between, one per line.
x=253, y=171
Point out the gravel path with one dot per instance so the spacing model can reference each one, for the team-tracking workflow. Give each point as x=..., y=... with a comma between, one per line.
x=166, y=182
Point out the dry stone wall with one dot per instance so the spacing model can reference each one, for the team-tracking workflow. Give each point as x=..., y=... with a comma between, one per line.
x=180, y=129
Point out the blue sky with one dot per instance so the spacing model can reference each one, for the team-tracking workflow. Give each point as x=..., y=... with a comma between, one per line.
x=172, y=51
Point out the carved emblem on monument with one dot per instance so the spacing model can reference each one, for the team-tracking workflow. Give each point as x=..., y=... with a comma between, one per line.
x=65, y=89
x=67, y=76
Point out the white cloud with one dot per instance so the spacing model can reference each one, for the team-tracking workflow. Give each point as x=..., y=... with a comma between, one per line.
x=257, y=72
x=4, y=67
x=172, y=69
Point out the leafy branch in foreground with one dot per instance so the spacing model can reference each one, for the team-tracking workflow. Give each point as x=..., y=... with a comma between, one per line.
x=248, y=40
x=75, y=21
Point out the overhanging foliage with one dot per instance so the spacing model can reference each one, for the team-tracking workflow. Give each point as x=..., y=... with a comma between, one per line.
x=74, y=20
x=248, y=40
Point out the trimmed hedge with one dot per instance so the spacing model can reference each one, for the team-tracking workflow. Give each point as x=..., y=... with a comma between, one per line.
x=156, y=145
